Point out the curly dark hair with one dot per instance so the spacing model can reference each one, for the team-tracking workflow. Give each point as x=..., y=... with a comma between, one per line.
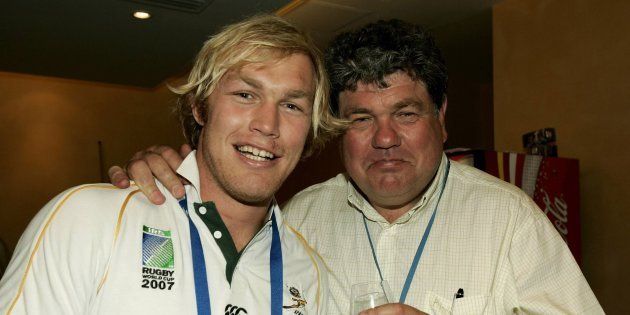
x=379, y=49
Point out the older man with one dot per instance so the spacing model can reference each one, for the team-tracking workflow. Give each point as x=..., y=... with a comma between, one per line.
x=446, y=237
x=256, y=97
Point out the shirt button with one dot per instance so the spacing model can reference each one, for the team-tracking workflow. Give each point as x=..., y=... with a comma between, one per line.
x=217, y=234
x=203, y=210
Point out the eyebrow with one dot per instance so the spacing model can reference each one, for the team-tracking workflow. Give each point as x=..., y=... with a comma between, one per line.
x=353, y=109
x=291, y=94
x=252, y=82
x=356, y=110
x=409, y=102
x=299, y=94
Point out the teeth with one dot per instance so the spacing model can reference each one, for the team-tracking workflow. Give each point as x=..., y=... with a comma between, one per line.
x=255, y=153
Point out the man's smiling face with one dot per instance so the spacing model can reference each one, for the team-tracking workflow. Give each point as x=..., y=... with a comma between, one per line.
x=394, y=144
x=258, y=120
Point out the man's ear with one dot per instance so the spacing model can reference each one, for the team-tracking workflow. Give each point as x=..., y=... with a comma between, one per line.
x=442, y=119
x=199, y=112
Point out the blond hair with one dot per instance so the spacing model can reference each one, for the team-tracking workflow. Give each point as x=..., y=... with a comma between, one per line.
x=257, y=39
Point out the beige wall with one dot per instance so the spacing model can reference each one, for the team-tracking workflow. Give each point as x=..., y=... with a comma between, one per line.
x=566, y=64
x=50, y=128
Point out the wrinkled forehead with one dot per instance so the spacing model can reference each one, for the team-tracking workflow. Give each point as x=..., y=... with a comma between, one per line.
x=396, y=88
x=392, y=81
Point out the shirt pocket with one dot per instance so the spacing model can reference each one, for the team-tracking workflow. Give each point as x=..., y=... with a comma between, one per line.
x=439, y=305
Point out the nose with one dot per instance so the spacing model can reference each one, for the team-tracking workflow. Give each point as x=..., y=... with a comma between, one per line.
x=266, y=119
x=385, y=136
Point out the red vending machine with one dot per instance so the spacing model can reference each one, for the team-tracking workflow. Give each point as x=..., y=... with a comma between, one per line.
x=552, y=182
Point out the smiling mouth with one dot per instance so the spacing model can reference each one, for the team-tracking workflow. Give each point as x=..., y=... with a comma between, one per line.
x=255, y=153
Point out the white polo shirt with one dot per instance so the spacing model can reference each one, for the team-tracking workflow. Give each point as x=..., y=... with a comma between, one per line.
x=95, y=249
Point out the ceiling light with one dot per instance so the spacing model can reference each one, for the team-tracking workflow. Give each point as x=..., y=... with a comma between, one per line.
x=141, y=15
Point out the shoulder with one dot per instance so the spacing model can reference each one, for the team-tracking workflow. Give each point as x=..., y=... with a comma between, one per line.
x=463, y=174
x=316, y=201
x=88, y=201
x=486, y=191
x=467, y=177
x=318, y=193
x=85, y=210
x=70, y=238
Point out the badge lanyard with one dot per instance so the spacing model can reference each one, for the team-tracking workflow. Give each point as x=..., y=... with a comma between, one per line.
x=416, y=258
x=199, y=266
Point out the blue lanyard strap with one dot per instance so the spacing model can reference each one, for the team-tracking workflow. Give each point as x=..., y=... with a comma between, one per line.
x=199, y=266
x=275, y=268
x=425, y=236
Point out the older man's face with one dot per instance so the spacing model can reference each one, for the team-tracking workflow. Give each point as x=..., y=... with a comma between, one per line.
x=394, y=144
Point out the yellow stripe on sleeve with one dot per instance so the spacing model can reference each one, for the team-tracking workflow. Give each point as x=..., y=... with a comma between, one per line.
x=121, y=212
x=310, y=252
x=41, y=236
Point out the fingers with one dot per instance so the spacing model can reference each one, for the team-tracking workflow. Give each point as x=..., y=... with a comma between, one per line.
x=160, y=162
x=156, y=162
x=392, y=309
x=140, y=171
x=184, y=150
x=170, y=156
x=164, y=162
x=118, y=177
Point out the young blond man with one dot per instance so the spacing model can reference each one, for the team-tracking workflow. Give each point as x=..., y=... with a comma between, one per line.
x=255, y=102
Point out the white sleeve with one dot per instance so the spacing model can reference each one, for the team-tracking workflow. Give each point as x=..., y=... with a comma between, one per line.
x=547, y=278
x=62, y=255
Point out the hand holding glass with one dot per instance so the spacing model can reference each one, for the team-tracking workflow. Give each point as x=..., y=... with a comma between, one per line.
x=369, y=295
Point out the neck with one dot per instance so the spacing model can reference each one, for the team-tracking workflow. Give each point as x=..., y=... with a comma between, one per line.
x=242, y=220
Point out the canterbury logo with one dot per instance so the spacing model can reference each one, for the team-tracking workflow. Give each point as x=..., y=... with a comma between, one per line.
x=234, y=310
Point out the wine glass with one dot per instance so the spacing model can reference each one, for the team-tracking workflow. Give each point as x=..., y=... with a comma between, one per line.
x=369, y=295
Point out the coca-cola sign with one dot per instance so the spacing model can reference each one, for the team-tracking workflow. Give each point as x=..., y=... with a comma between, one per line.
x=557, y=193
x=557, y=212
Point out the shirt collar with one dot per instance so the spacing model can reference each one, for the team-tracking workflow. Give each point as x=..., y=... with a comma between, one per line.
x=275, y=209
x=358, y=201
x=265, y=230
x=190, y=171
